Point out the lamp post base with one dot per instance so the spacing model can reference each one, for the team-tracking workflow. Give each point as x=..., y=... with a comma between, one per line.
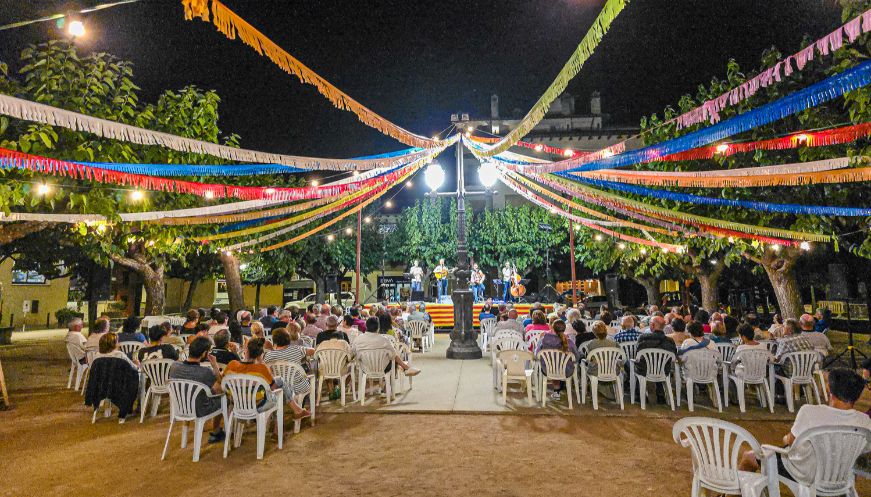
x=464, y=338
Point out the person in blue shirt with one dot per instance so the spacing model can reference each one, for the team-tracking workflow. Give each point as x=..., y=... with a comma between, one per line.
x=486, y=313
x=130, y=331
x=824, y=319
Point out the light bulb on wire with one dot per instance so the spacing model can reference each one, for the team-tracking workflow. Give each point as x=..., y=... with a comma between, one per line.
x=42, y=189
x=137, y=195
x=76, y=29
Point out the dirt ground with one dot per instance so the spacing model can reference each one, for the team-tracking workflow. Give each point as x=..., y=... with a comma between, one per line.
x=49, y=447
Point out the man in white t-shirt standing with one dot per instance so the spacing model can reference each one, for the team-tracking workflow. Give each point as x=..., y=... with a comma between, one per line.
x=845, y=388
x=416, y=273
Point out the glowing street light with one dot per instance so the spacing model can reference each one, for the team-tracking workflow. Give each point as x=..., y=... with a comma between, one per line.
x=568, y=152
x=315, y=182
x=539, y=147
x=621, y=246
x=598, y=238
x=804, y=246
x=388, y=204
x=348, y=231
x=42, y=189
x=76, y=29
x=722, y=148
x=434, y=176
x=209, y=195
x=367, y=219
x=331, y=238
x=137, y=196
x=409, y=184
x=488, y=174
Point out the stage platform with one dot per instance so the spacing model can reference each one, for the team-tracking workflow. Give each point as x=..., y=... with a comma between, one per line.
x=443, y=314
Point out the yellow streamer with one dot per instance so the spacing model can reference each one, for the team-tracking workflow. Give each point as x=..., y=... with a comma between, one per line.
x=231, y=25
x=242, y=216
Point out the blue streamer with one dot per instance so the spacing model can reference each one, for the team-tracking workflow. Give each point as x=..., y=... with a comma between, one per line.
x=816, y=94
x=818, y=210
x=166, y=170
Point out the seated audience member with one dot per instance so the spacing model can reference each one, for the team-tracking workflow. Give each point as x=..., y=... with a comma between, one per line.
x=823, y=320
x=331, y=333
x=539, y=323
x=258, y=332
x=222, y=351
x=818, y=340
x=270, y=320
x=731, y=325
x=628, y=332
x=221, y=320
x=702, y=316
x=190, y=370
x=283, y=351
x=510, y=322
x=600, y=330
x=130, y=331
x=751, y=319
x=192, y=319
x=338, y=311
x=535, y=307
x=582, y=335
x=110, y=347
x=678, y=334
x=253, y=365
x=718, y=332
x=346, y=324
x=385, y=324
x=74, y=336
x=748, y=342
x=697, y=339
x=775, y=331
x=360, y=323
x=559, y=341
x=171, y=337
x=112, y=377
x=157, y=349
x=245, y=320
x=845, y=387
x=656, y=339
x=295, y=332
x=321, y=321
x=311, y=329
x=235, y=330
x=100, y=328
x=486, y=313
x=373, y=339
x=793, y=340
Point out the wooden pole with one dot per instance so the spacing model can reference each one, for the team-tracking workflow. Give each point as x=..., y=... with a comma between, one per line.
x=3, y=388
x=359, y=239
x=572, y=251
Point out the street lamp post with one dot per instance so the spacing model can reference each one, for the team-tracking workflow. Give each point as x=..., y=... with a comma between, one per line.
x=464, y=338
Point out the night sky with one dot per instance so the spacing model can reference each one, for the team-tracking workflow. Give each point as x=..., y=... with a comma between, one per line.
x=415, y=62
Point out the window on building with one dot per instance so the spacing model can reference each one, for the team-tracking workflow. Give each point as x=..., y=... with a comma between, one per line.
x=20, y=277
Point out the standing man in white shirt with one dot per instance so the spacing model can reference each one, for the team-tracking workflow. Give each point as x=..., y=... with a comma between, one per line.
x=416, y=273
x=845, y=388
x=507, y=276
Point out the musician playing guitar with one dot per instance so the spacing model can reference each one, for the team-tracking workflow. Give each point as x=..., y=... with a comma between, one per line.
x=441, y=273
x=476, y=280
x=508, y=273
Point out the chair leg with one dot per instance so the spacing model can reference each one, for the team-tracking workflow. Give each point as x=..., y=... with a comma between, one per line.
x=619, y=388
x=669, y=392
x=633, y=382
x=790, y=401
x=320, y=393
x=716, y=391
x=542, y=392
x=816, y=392
x=184, y=434
x=261, y=436
x=198, y=438
x=726, y=388
x=279, y=424
x=569, y=390
x=739, y=388
x=768, y=396
x=505, y=390
x=311, y=402
x=690, y=392
x=228, y=435
x=641, y=382
x=143, y=404
x=575, y=381
x=583, y=386
x=678, y=383
x=363, y=386
x=594, y=391
x=155, y=404
x=168, y=436
x=73, y=367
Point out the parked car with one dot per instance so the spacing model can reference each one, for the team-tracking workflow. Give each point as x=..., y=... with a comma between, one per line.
x=345, y=299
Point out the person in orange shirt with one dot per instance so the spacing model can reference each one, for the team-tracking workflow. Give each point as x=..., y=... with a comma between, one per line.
x=253, y=365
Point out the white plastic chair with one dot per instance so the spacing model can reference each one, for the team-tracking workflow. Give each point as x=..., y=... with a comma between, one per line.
x=372, y=364
x=608, y=370
x=752, y=370
x=130, y=348
x=716, y=448
x=510, y=341
x=405, y=353
x=418, y=331
x=289, y=372
x=487, y=327
x=835, y=449
x=726, y=351
x=353, y=334
x=656, y=363
x=553, y=367
x=90, y=355
x=801, y=365
x=157, y=371
x=630, y=349
x=307, y=341
x=77, y=369
x=516, y=366
x=532, y=339
x=334, y=364
x=243, y=389
x=182, y=407
x=700, y=366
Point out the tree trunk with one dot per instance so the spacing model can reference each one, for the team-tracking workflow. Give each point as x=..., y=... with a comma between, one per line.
x=134, y=295
x=93, y=297
x=155, y=290
x=234, y=281
x=189, y=298
x=651, y=286
x=257, y=298
x=11, y=232
x=709, y=281
x=320, y=283
x=780, y=267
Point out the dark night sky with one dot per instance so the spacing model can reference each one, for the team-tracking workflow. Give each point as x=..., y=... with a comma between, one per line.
x=415, y=62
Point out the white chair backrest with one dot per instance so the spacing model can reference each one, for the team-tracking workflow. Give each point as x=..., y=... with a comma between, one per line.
x=606, y=359
x=554, y=363
x=332, y=363
x=701, y=366
x=533, y=337
x=130, y=348
x=393, y=340
x=500, y=333
x=615, y=324
x=802, y=363
x=157, y=370
x=183, y=398
x=584, y=348
x=353, y=334
x=516, y=362
x=630, y=349
x=374, y=362
x=771, y=344
x=287, y=371
x=307, y=341
x=836, y=449
x=243, y=388
x=508, y=342
x=417, y=329
x=735, y=341
x=75, y=351
x=726, y=350
x=716, y=447
x=487, y=325
x=656, y=361
x=403, y=350
x=754, y=364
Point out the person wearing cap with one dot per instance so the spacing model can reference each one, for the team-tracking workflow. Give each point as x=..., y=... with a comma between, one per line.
x=373, y=340
x=331, y=333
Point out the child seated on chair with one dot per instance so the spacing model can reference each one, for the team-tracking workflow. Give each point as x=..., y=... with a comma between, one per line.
x=845, y=388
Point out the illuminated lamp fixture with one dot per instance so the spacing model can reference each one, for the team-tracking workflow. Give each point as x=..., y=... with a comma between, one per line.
x=76, y=29
x=805, y=246
x=539, y=147
x=331, y=238
x=607, y=153
x=137, y=195
x=348, y=231
x=621, y=246
x=722, y=148
x=434, y=176
x=42, y=189
x=802, y=138
x=568, y=152
x=367, y=219
x=488, y=174
x=388, y=204
x=775, y=247
x=643, y=251
x=209, y=195
x=598, y=238
x=315, y=183
x=269, y=191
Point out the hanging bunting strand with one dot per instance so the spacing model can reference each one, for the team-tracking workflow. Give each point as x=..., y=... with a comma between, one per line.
x=231, y=25
x=816, y=94
x=583, y=52
x=53, y=116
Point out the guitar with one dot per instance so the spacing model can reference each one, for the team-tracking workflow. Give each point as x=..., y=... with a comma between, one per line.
x=444, y=273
